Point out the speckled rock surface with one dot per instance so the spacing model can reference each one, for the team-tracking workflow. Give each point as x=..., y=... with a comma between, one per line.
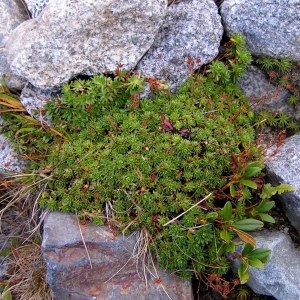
x=190, y=29
x=12, y=14
x=36, y=6
x=114, y=274
x=263, y=95
x=9, y=159
x=271, y=28
x=281, y=275
x=35, y=99
x=83, y=37
x=4, y=244
x=285, y=167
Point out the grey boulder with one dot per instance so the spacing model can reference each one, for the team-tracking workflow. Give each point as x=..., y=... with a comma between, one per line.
x=271, y=28
x=281, y=276
x=285, y=167
x=12, y=14
x=83, y=37
x=191, y=29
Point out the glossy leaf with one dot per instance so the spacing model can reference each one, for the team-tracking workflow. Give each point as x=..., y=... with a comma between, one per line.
x=243, y=273
x=256, y=263
x=232, y=190
x=261, y=253
x=230, y=247
x=225, y=235
x=265, y=206
x=247, y=249
x=252, y=169
x=222, y=250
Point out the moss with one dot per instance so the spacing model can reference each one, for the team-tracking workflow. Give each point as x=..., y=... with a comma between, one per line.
x=144, y=163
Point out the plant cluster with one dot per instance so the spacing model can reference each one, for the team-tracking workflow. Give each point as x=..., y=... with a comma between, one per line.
x=278, y=71
x=183, y=168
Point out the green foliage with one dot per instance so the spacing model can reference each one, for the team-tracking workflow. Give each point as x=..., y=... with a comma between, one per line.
x=268, y=190
x=160, y=165
x=293, y=100
x=281, y=65
x=242, y=178
x=251, y=257
x=277, y=121
x=237, y=59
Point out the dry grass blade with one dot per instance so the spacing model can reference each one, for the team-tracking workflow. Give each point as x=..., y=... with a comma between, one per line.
x=177, y=217
x=84, y=244
x=21, y=220
x=11, y=102
x=27, y=272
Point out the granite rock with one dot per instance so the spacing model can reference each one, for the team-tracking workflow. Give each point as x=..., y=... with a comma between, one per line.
x=271, y=28
x=281, y=276
x=9, y=158
x=83, y=37
x=35, y=99
x=263, y=95
x=12, y=14
x=190, y=29
x=284, y=167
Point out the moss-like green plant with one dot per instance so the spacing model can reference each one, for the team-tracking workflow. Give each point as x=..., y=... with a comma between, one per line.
x=181, y=168
x=278, y=73
x=277, y=121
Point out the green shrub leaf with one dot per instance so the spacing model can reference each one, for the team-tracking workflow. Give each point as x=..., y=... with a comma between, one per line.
x=255, y=262
x=249, y=183
x=267, y=218
x=243, y=273
x=248, y=224
x=225, y=235
x=227, y=211
x=260, y=253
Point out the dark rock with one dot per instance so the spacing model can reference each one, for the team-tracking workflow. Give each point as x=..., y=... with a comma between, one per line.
x=114, y=272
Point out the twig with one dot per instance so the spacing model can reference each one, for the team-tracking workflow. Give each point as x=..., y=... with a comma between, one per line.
x=87, y=252
x=157, y=276
x=188, y=209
